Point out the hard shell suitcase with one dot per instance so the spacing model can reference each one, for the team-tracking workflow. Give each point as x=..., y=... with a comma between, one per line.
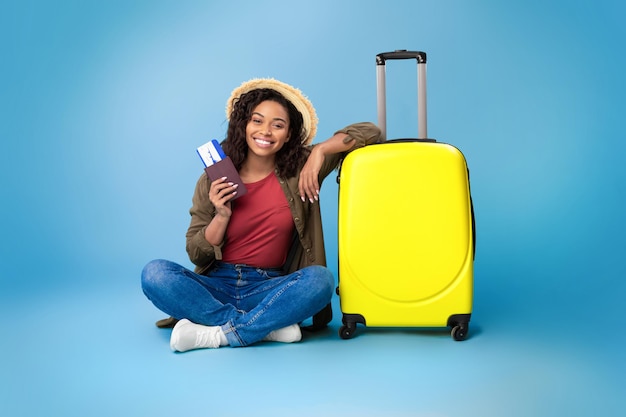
x=406, y=234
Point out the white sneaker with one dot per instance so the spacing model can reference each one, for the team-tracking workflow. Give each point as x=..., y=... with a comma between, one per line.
x=287, y=334
x=187, y=336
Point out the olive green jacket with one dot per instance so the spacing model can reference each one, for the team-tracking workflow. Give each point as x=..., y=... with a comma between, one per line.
x=308, y=248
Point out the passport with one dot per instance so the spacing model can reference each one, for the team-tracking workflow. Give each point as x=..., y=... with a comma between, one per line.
x=218, y=165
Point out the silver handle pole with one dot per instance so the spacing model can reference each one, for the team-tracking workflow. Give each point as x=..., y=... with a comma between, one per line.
x=422, y=128
x=381, y=96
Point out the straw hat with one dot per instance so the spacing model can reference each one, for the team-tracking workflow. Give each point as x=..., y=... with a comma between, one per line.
x=295, y=96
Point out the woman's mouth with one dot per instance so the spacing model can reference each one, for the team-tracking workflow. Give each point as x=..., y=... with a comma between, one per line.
x=262, y=142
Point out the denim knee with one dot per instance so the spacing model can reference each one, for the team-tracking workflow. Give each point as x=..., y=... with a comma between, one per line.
x=324, y=280
x=152, y=274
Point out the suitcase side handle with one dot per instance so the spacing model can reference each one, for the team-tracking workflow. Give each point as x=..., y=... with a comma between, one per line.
x=381, y=94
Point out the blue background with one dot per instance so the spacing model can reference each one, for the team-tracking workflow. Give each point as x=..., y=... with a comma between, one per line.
x=103, y=104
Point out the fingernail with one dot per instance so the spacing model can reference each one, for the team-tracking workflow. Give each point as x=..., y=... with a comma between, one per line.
x=303, y=199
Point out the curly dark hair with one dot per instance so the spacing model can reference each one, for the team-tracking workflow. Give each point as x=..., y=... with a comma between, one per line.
x=291, y=157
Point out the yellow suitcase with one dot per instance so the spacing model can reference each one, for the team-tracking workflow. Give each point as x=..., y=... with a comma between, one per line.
x=406, y=236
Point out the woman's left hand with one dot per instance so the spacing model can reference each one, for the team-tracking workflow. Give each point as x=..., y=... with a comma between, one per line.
x=309, y=176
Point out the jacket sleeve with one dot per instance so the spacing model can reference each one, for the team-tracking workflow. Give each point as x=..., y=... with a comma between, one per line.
x=201, y=252
x=363, y=134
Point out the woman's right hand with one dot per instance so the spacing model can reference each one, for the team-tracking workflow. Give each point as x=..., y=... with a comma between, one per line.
x=221, y=193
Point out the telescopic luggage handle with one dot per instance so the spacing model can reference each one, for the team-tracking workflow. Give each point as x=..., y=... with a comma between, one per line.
x=401, y=54
x=381, y=93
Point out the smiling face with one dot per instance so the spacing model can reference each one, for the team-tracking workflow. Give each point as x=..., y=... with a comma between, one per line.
x=268, y=129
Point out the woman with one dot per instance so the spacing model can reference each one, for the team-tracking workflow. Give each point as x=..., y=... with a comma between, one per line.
x=260, y=260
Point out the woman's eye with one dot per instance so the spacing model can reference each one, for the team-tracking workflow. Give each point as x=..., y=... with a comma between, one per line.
x=278, y=126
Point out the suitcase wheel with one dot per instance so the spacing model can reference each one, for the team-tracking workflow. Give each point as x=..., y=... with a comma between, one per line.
x=459, y=332
x=347, y=331
x=349, y=325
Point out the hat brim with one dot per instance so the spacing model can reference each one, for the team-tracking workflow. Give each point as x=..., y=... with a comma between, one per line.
x=294, y=95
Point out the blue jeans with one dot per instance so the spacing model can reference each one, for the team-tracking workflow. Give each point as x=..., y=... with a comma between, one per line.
x=247, y=302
